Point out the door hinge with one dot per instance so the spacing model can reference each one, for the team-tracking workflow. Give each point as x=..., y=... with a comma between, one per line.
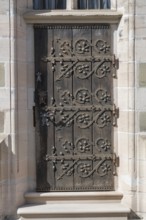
x=34, y=116
x=116, y=163
x=115, y=63
x=115, y=115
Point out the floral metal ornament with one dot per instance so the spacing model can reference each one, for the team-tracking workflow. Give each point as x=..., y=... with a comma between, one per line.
x=84, y=169
x=67, y=146
x=83, y=119
x=82, y=46
x=102, y=96
x=82, y=70
x=83, y=145
x=82, y=96
x=66, y=97
x=103, y=145
x=102, y=46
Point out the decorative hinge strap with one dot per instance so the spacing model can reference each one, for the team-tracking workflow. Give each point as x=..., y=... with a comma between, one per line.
x=116, y=163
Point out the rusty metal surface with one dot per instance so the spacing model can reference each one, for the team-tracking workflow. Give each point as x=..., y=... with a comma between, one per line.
x=75, y=113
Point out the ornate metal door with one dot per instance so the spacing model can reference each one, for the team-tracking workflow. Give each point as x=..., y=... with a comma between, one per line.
x=75, y=114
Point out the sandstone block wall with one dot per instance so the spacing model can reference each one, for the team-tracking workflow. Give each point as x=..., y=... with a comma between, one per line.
x=131, y=91
x=16, y=100
x=6, y=93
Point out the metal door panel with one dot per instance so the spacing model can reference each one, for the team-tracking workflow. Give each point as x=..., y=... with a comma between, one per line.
x=75, y=114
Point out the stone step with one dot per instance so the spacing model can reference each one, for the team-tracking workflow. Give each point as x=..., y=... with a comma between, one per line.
x=73, y=206
x=104, y=211
x=71, y=197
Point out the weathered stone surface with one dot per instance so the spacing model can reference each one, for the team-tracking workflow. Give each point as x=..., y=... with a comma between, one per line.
x=142, y=121
x=142, y=74
x=1, y=122
x=141, y=7
x=141, y=101
x=2, y=75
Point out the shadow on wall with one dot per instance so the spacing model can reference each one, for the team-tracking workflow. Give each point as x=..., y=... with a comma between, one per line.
x=7, y=188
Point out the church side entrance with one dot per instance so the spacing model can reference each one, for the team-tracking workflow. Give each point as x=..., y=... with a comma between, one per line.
x=74, y=112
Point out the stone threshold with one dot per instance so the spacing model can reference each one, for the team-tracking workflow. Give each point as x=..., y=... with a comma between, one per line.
x=85, y=197
x=68, y=16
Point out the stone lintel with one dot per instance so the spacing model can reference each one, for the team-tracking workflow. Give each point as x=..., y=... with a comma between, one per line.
x=79, y=16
